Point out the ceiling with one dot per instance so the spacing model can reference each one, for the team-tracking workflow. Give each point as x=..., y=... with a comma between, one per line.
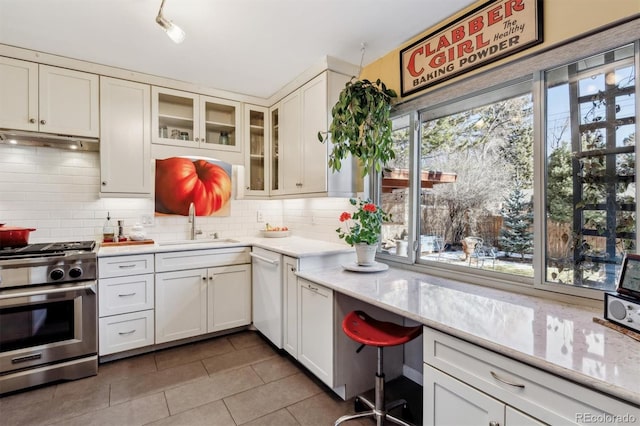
x=253, y=47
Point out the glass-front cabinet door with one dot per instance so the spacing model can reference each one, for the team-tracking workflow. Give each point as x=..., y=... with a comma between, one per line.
x=275, y=171
x=256, y=119
x=218, y=124
x=174, y=116
x=188, y=119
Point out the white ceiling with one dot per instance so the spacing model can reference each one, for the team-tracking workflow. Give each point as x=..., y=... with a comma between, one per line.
x=253, y=47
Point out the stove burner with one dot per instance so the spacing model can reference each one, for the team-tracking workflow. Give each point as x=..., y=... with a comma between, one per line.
x=48, y=263
x=46, y=249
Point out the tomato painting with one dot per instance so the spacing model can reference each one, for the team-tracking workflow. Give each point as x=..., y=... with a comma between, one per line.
x=182, y=181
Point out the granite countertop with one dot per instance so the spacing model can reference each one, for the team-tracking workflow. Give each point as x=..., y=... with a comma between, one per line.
x=557, y=337
x=290, y=246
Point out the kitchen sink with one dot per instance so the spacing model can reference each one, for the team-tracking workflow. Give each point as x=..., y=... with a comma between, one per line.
x=207, y=241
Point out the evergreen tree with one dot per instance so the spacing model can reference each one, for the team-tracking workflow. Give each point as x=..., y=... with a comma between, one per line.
x=516, y=235
x=560, y=185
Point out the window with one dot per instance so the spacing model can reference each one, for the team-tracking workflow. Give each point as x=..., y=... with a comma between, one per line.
x=530, y=182
x=476, y=160
x=590, y=169
x=395, y=193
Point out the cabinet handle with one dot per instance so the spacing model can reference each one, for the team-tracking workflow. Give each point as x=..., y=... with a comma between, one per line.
x=506, y=382
x=126, y=333
x=293, y=269
x=494, y=423
x=298, y=184
x=211, y=278
x=127, y=266
x=316, y=290
x=32, y=120
x=104, y=183
x=127, y=294
x=204, y=278
x=43, y=121
x=264, y=259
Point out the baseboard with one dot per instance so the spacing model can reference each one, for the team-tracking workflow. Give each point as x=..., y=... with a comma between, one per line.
x=412, y=374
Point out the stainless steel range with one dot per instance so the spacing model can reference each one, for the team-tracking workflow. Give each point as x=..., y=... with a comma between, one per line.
x=48, y=313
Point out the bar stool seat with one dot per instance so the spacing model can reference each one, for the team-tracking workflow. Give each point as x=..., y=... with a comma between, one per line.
x=368, y=331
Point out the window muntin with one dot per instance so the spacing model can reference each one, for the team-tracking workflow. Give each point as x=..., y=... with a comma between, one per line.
x=590, y=189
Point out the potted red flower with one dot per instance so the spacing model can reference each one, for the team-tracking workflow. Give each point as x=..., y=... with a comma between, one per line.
x=362, y=229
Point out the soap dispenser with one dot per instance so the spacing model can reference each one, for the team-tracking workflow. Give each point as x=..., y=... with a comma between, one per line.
x=108, y=230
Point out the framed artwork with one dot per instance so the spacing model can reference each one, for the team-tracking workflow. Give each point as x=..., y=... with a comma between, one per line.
x=205, y=182
x=494, y=30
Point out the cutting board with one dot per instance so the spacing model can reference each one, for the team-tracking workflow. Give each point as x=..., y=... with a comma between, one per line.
x=127, y=243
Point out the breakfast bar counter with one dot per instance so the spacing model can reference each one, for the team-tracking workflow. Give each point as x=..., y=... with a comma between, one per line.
x=556, y=337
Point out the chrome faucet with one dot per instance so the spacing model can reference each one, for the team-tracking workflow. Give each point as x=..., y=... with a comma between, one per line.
x=192, y=221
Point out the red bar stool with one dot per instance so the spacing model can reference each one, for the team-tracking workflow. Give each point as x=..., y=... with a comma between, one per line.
x=369, y=331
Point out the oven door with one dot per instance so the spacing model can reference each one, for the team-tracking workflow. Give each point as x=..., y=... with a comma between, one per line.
x=47, y=324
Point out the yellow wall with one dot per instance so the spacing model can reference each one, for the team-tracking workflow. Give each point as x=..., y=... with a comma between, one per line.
x=563, y=20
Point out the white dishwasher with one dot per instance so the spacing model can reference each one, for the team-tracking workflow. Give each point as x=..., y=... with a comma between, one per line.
x=267, y=293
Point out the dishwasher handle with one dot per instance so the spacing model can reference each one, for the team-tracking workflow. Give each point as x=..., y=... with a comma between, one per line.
x=264, y=259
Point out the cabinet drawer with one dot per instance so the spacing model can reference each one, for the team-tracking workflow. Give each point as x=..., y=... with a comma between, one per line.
x=121, y=295
x=192, y=259
x=545, y=396
x=127, y=331
x=119, y=266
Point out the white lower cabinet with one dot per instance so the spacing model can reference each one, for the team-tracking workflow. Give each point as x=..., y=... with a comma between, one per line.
x=450, y=402
x=465, y=384
x=315, y=329
x=197, y=301
x=125, y=332
x=181, y=304
x=290, y=314
x=228, y=297
x=126, y=301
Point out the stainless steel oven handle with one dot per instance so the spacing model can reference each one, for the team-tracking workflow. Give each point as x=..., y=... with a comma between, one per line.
x=89, y=287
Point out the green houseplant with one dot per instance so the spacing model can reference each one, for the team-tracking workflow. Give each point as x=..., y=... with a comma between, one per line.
x=362, y=228
x=361, y=125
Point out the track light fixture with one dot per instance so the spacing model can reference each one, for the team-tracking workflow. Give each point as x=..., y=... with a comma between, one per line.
x=174, y=32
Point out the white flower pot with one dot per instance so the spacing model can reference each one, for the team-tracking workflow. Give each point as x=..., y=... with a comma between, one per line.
x=366, y=254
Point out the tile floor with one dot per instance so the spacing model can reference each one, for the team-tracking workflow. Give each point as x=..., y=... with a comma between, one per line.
x=237, y=379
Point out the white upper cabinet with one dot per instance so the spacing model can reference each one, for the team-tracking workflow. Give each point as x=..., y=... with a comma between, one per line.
x=125, y=140
x=187, y=119
x=48, y=99
x=19, y=100
x=290, y=145
x=256, y=135
x=303, y=160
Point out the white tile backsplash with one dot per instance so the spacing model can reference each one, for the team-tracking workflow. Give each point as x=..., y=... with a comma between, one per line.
x=56, y=192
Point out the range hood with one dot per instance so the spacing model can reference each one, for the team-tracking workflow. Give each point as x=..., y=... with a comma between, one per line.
x=20, y=137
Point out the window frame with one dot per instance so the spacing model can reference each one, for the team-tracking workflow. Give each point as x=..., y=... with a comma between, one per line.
x=528, y=71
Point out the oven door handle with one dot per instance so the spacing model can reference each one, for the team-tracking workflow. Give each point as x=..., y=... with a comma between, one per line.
x=90, y=287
